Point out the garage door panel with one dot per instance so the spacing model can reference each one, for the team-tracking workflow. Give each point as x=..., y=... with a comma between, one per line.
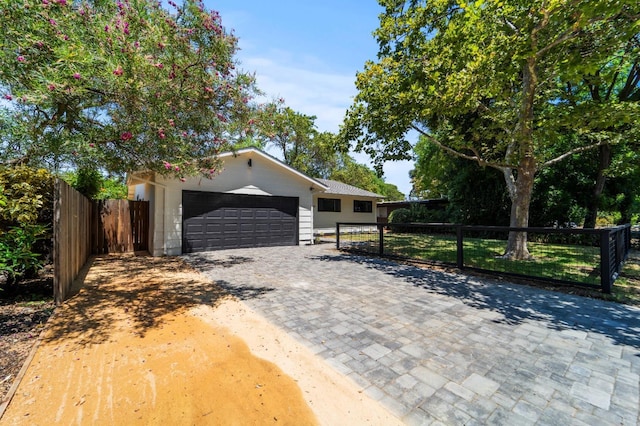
x=213, y=221
x=211, y=228
x=197, y=227
x=247, y=214
x=216, y=214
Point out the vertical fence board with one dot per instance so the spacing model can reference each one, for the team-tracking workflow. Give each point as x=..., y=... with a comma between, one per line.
x=71, y=237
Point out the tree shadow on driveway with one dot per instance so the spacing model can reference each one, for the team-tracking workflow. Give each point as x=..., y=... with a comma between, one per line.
x=202, y=261
x=207, y=264
x=130, y=291
x=516, y=303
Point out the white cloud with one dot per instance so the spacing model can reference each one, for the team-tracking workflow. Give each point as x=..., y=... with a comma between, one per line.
x=323, y=94
x=311, y=88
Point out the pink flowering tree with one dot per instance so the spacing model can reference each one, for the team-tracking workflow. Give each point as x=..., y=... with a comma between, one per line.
x=124, y=85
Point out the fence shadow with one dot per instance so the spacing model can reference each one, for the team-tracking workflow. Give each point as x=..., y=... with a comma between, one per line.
x=516, y=303
x=133, y=293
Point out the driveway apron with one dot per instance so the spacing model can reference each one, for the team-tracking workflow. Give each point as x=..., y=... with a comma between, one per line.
x=445, y=348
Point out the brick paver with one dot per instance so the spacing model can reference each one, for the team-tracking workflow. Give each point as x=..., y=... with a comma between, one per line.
x=442, y=348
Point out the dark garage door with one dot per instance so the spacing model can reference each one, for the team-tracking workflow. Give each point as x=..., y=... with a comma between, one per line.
x=214, y=221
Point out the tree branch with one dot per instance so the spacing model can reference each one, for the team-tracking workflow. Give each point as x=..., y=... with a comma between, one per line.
x=476, y=158
x=574, y=151
x=564, y=37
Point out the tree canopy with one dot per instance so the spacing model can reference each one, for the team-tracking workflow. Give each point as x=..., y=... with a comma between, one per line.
x=485, y=80
x=126, y=85
x=312, y=152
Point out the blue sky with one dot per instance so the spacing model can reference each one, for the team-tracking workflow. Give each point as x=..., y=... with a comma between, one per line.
x=308, y=52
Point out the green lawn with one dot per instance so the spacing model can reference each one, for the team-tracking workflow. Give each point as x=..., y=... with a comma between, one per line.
x=556, y=261
x=626, y=289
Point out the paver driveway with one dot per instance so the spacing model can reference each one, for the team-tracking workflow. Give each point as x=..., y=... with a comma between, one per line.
x=446, y=348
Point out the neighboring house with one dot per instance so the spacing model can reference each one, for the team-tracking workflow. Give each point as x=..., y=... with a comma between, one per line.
x=386, y=207
x=343, y=203
x=255, y=201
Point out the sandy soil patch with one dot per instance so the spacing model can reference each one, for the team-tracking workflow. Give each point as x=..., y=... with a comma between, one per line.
x=150, y=341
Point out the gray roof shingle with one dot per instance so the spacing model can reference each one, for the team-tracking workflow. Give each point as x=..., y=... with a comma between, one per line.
x=340, y=188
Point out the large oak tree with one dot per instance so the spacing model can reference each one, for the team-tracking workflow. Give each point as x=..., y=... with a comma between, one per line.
x=483, y=80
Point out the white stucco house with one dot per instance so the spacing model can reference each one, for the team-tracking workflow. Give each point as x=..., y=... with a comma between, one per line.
x=343, y=203
x=255, y=201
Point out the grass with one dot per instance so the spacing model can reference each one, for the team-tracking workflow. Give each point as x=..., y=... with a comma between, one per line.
x=626, y=289
x=550, y=261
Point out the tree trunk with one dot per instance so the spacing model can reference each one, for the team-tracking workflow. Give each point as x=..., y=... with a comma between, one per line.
x=596, y=196
x=521, y=189
x=520, y=201
x=626, y=206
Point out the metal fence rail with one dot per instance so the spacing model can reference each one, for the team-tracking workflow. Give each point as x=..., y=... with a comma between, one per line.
x=589, y=257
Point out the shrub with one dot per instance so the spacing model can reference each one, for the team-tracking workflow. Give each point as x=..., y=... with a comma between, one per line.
x=112, y=189
x=17, y=255
x=90, y=183
x=26, y=216
x=400, y=216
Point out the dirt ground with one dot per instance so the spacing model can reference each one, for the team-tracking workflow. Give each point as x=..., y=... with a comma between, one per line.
x=23, y=315
x=150, y=341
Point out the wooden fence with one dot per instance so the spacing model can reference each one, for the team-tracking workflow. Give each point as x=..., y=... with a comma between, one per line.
x=71, y=237
x=82, y=228
x=120, y=226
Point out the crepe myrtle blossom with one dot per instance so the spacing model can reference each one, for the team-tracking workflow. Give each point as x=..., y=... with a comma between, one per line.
x=125, y=136
x=167, y=165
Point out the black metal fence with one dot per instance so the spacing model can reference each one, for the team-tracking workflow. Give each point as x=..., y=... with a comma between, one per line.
x=589, y=257
x=635, y=237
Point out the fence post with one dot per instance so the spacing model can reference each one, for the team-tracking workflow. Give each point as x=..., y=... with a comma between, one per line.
x=627, y=240
x=338, y=236
x=605, y=262
x=381, y=239
x=460, y=252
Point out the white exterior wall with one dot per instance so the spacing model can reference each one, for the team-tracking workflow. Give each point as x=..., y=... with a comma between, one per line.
x=329, y=219
x=264, y=177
